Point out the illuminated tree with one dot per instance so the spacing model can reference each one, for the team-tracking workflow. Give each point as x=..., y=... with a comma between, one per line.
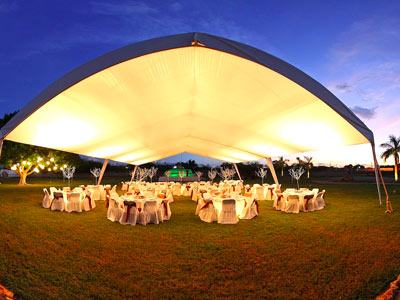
x=392, y=149
x=212, y=174
x=26, y=159
x=181, y=174
x=199, y=173
x=95, y=172
x=152, y=172
x=296, y=173
x=69, y=173
x=262, y=173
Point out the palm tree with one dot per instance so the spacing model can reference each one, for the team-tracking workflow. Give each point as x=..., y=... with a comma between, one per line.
x=306, y=163
x=281, y=164
x=392, y=148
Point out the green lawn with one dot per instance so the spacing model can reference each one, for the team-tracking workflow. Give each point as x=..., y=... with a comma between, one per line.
x=350, y=250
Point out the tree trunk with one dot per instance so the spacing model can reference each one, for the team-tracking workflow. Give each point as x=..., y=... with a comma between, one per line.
x=22, y=179
x=282, y=172
x=308, y=173
x=396, y=163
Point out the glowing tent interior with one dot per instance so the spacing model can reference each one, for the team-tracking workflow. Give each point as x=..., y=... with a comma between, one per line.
x=190, y=92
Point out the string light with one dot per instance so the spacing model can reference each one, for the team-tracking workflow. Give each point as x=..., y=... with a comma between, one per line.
x=49, y=169
x=36, y=170
x=51, y=159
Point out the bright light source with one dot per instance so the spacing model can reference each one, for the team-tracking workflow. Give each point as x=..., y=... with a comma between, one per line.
x=36, y=170
x=49, y=169
x=65, y=166
x=13, y=168
x=39, y=159
x=29, y=163
x=48, y=162
x=41, y=166
x=51, y=159
x=55, y=168
x=24, y=162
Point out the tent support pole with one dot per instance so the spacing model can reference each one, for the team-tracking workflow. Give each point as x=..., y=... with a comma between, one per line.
x=272, y=169
x=237, y=171
x=389, y=208
x=134, y=172
x=103, y=169
x=1, y=145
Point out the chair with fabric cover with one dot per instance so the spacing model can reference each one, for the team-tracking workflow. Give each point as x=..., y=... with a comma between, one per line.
x=66, y=189
x=176, y=189
x=77, y=190
x=52, y=190
x=130, y=213
x=96, y=193
x=58, y=202
x=292, y=204
x=103, y=193
x=308, y=203
x=228, y=212
x=279, y=200
x=149, y=213
x=88, y=202
x=260, y=195
x=193, y=193
x=46, y=199
x=124, y=186
x=207, y=212
x=114, y=189
x=250, y=207
x=114, y=211
x=164, y=211
x=320, y=201
x=199, y=205
x=186, y=190
x=74, y=203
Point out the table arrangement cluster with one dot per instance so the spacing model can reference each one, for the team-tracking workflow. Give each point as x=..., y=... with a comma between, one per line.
x=78, y=199
x=294, y=201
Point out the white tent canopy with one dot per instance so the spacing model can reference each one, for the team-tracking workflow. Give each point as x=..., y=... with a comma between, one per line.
x=190, y=92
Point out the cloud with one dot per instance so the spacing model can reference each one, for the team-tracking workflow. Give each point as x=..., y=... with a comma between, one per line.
x=363, y=112
x=343, y=87
x=121, y=9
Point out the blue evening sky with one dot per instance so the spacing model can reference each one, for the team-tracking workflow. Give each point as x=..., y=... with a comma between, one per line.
x=351, y=47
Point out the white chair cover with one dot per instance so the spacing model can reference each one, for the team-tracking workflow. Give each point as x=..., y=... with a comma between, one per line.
x=114, y=211
x=96, y=193
x=250, y=209
x=292, y=204
x=164, y=211
x=208, y=213
x=279, y=200
x=149, y=213
x=130, y=214
x=74, y=203
x=88, y=202
x=260, y=195
x=46, y=199
x=228, y=212
x=58, y=202
x=320, y=201
x=176, y=190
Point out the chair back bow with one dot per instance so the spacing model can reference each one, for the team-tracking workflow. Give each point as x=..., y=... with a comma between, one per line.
x=90, y=201
x=129, y=205
x=207, y=204
x=256, y=203
x=307, y=198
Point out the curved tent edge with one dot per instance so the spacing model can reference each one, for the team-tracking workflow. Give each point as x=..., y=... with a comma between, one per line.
x=185, y=40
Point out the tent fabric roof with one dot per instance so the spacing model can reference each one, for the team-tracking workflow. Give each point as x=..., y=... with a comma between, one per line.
x=190, y=92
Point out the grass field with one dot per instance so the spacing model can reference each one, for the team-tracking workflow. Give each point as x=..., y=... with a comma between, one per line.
x=350, y=250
